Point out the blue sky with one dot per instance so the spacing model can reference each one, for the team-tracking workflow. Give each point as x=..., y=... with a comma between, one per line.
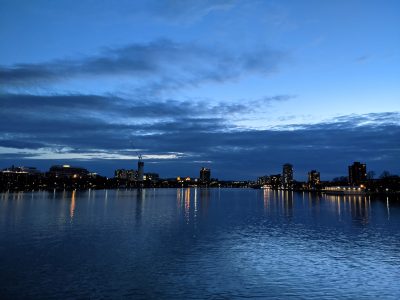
x=239, y=86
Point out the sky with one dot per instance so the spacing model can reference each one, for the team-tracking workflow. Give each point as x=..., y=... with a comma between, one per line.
x=239, y=86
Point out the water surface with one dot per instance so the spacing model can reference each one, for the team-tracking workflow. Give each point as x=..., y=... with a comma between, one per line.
x=197, y=244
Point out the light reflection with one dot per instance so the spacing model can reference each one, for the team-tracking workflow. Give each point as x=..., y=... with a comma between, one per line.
x=266, y=198
x=72, y=206
x=388, y=208
x=187, y=204
x=204, y=198
x=195, y=203
x=358, y=208
x=140, y=196
x=178, y=198
x=288, y=203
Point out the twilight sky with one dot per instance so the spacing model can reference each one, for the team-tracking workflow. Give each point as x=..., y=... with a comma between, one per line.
x=239, y=86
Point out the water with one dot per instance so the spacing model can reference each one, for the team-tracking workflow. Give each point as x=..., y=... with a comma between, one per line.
x=198, y=244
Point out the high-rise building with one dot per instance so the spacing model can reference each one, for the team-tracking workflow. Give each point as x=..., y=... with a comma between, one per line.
x=205, y=175
x=357, y=173
x=287, y=176
x=314, y=179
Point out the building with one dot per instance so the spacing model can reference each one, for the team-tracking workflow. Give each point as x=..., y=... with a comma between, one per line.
x=357, y=173
x=262, y=180
x=154, y=177
x=21, y=170
x=123, y=174
x=205, y=175
x=20, y=178
x=275, y=181
x=66, y=171
x=140, y=172
x=287, y=176
x=314, y=179
x=120, y=174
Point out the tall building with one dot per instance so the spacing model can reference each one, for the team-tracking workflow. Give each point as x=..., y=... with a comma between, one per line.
x=314, y=179
x=205, y=175
x=287, y=176
x=357, y=173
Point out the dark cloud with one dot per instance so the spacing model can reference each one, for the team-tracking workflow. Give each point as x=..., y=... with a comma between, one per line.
x=81, y=107
x=113, y=126
x=156, y=66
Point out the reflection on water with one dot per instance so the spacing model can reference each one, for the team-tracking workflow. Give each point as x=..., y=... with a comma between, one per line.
x=72, y=207
x=187, y=204
x=198, y=243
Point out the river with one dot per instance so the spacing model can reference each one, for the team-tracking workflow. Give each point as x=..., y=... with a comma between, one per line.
x=198, y=244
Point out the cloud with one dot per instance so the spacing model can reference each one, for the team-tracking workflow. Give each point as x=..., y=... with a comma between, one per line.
x=77, y=108
x=158, y=65
x=183, y=134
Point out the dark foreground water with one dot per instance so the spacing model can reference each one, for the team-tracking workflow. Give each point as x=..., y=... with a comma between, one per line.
x=198, y=243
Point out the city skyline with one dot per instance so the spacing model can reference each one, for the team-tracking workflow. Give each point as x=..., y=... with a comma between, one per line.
x=357, y=173
x=67, y=177
x=240, y=87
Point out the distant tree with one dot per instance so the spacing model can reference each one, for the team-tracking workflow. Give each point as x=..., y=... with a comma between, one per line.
x=385, y=174
x=370, y=175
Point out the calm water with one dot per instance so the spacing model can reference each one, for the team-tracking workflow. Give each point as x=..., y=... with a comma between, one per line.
x=198, y=243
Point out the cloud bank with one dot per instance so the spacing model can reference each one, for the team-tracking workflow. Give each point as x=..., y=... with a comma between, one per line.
x=176, y=135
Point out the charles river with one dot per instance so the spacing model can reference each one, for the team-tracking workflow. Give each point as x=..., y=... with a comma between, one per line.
x=198, y=244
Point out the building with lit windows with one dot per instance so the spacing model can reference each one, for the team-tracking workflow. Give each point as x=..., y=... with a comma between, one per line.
x=205, y=175
x=357, y=173
x=67, y=171
x=287, y=176
x=314, y=179
x=275, y=181
x=123, y=174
